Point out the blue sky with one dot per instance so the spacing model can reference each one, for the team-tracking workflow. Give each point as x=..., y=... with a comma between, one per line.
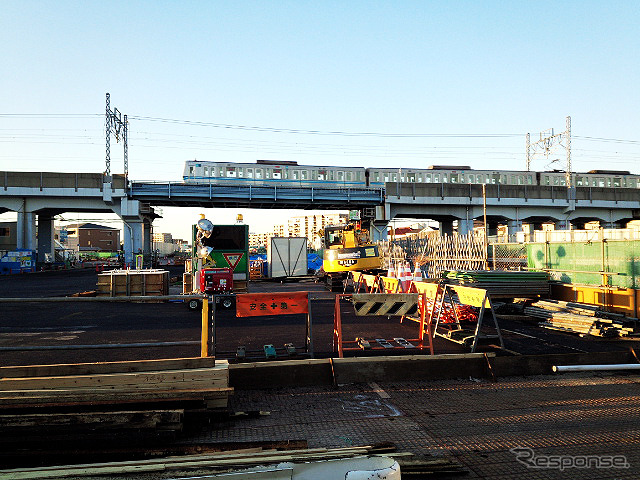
x=411, y=67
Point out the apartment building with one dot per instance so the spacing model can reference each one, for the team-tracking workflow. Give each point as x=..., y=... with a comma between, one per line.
x=89, y=237
x=162, y=238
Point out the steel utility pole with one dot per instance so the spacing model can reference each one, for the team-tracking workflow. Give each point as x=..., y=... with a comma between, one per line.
x=549, y=140
x=114, y=120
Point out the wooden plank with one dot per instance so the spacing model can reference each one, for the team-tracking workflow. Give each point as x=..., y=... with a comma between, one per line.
x=112, y=398
x=95, y=420
x=217, y=377
x=58, y=370
x=180, y=463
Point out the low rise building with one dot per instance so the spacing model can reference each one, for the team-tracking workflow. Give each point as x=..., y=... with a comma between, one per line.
x=89, y=237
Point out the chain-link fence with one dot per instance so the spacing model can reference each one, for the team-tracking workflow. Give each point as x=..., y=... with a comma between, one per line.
x=508, y=256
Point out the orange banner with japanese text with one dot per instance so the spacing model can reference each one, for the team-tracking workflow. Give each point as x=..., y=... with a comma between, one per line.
x=259, y=304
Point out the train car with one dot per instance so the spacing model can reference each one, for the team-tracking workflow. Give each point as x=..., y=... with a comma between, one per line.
x=270, y=172
x=592, y=178
x=377, y=177
x=289, y=173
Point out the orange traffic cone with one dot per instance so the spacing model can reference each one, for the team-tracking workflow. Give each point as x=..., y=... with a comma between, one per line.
x=417, y=274
x=408, y=276
x=390, y=272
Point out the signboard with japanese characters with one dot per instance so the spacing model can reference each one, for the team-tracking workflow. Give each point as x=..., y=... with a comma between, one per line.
x=262, y=304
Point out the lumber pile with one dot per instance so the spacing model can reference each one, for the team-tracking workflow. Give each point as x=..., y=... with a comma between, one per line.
x=234, y=461
x=581, y=318
x=111, y=396
x=502, y=283
x=118, y=283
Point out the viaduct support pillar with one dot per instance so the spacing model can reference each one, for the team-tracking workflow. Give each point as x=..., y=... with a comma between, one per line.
x=446, y=227
x=146, y=238
x=513, y=227
x=26, y=231
x=45, y=239
x=465, y=226
x=133, y=240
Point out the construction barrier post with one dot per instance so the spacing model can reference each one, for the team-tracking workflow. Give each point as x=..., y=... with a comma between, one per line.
x=337, y=327
x=207, y=348
x=280, y=303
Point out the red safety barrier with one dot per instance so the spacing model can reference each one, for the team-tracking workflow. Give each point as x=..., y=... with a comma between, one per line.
x=261, y=304
x=340, y=345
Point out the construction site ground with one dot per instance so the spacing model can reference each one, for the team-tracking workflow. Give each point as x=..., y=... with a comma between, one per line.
x=474, y=419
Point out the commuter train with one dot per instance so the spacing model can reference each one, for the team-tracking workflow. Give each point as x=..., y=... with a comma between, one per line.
x=289, y=173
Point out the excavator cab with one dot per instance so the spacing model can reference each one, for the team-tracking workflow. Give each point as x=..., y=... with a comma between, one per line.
x=347, y=248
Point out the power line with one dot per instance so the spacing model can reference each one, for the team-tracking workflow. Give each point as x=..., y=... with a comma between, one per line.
x=321, y=132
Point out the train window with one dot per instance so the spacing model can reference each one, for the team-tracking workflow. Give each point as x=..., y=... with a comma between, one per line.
x=454, y=177
x=479, y=179
x=394, y=177
x=258, y=173
x=191, y=171
x=601, y=182
x=608, y=182
x=376, y=176
x=520, y=179
x=249, y=172
x=240, y=172
x=322, y=174
x=331, y=175
x=436, y=178
x=578, y=181
x=349, y=176
x=206, y=172
x=427, y=178
x=445, y=178
x=267, y=173
x=503, y=179
x=340, y=176
x=411, y=177
x=529, y=180
x=555, y=181
x=277, y=174
x=616, y=182
x=471, y=178
x=231, y=172
x=296, y=175
x=563, y=182
x=305, y=175
x=632, y=183
x=462, y=179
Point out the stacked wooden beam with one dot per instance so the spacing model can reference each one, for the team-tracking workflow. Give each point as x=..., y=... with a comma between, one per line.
x=233, y=461
x=151, y=394
x=502, y=283
x=581, y=318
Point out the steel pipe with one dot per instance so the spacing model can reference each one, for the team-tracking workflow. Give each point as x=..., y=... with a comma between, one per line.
x=587, y=368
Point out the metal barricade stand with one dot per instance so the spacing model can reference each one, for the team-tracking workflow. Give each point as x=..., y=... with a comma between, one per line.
x=385, y=304
x=455, y=295
x=429, y=294
x=264, y=304
x=390, y=285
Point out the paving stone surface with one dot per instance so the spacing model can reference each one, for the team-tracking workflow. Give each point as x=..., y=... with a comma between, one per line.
x=475, y=422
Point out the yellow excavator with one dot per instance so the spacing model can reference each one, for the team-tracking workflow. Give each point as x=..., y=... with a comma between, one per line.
x=346, y=249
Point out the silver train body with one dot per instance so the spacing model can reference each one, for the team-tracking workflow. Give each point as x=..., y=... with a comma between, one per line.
x=265, y=172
